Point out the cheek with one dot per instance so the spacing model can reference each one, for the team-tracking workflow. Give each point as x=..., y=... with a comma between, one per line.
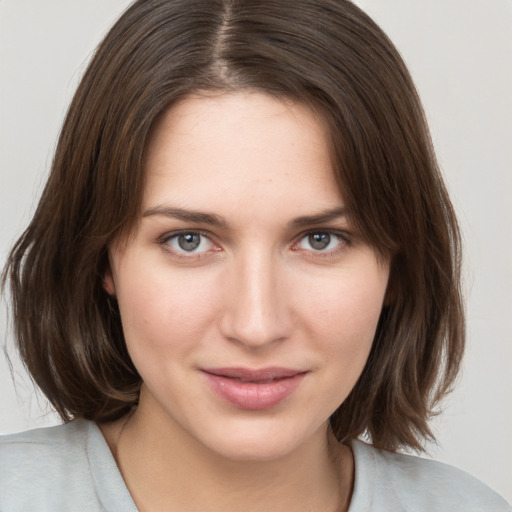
x=164, y=312
x=345, y=314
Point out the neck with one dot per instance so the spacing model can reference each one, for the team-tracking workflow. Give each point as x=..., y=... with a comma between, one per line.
x=166, y=469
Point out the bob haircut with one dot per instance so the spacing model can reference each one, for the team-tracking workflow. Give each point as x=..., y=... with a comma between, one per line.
x=326, y=54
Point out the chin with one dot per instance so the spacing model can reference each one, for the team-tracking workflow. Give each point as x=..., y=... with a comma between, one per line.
x=260, y=443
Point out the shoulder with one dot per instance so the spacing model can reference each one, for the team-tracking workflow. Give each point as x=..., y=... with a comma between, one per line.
x=39, y=447
x=53, y=468
x=385, y=479
x=37, y=466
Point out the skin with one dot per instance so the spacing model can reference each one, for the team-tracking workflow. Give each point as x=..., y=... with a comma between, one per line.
x=257, y=292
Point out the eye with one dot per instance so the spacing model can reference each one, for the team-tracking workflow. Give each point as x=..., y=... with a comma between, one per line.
x=190, y=242
x=321, y=241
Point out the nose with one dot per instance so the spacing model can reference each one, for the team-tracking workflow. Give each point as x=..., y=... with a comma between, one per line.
x=257, y=310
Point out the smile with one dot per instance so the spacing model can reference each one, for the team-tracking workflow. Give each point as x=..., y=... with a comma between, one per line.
x=253, y=389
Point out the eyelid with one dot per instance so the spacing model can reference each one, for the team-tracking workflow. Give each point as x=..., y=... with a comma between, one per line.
x=342, y=235
x=163, y=242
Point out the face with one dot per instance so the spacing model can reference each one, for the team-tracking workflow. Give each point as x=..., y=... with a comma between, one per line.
x=248, y=301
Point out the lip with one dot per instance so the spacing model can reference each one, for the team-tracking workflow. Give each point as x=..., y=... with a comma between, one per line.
x=254, y=389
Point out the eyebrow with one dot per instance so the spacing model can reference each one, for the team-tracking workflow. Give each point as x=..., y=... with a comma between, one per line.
x=187, y=216
x=321, y=218
x=216, y=221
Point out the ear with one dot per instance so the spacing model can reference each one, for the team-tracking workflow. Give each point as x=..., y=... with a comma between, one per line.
x=108, y=281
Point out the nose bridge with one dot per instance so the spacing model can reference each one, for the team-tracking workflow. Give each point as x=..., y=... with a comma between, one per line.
x=256, y=312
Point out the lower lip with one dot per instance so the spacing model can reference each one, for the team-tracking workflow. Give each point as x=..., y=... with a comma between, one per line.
x=254, y=395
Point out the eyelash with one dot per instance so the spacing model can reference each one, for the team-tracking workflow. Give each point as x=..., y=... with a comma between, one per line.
x=164, y=243
x=342, y=237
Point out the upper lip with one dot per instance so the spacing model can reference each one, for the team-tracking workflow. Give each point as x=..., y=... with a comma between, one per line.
x=254, y=375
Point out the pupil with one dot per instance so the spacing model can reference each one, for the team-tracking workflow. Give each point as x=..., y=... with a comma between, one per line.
x=319, y=240
x=189, y=241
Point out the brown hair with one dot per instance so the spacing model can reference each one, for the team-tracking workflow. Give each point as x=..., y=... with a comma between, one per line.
x=325, y=53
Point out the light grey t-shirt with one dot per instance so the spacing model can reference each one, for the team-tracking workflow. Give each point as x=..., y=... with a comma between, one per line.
x=69, y=468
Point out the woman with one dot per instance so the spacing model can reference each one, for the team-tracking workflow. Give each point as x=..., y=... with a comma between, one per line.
x=244, y=258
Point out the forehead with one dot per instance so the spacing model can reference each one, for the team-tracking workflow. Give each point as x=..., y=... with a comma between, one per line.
x=245, y=148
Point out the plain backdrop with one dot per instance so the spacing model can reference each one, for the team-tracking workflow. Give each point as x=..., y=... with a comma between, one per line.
x=460, y=55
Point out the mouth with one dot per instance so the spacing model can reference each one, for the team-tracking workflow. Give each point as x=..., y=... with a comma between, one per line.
x=251, y=389
x=263, y=375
